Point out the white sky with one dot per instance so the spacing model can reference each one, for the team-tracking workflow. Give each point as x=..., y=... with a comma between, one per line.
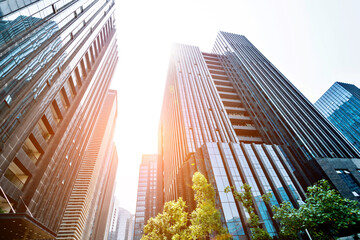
x=313, y=43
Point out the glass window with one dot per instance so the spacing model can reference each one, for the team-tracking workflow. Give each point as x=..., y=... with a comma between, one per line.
x=350, y=181
x=45, y=128
x=17, y=174
x=64, y=99
x=55, y=112
x=71, y=86
x=32, y=148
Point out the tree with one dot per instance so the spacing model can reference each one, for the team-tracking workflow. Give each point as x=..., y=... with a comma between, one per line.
x=323, y=214
x=170, y=224
x=245, y=197
x=175, y=223
x=205, y=219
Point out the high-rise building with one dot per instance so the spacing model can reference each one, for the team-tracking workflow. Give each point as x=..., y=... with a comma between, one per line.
x=56, y=63
x=340, y=104
x=234, y=117
x=149, y=196
x=87, y=212
x=130, y=228
x=121, y=224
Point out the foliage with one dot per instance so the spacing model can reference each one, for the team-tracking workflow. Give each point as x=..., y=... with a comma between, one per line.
x=205, y=219
x=175, y=223
x=171, y=224
x=323, y=214
x=245, y=197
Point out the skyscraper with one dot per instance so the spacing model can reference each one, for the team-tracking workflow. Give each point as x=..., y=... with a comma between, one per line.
x=340, y=104
x=88, y=208
x=56, y=63
x=234, y=117
x=149, y=196
x=122, y=227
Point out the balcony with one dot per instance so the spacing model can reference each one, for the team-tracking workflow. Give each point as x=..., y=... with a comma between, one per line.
x=245, y=130
x=234, y=110
x=219, y=82
x=225, y=88
x=218, y=76
x=214, y=66
x=211, y=58
x=231, y=102
x=209, y=55
x=247, y=139
x=230, y=95
x=217, y=72
x=239, y=119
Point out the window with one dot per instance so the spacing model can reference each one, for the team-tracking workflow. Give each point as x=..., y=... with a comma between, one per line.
x=78, y=76
x=55, y=111
x=17, y=174
x=71, y=86
x=5, y=205
x=87, y=58
x=99, y=43
x=92, y=54
x=96, y=49
x=32, y=148
x=350, y=181
x=83, y=67
x=64, y=99
x=45, y=128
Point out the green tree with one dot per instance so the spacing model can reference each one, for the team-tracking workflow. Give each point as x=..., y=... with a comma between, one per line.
x=323, y=214
x=170, y=224
x=205, y=219
x=175, y=223
x=245, y=197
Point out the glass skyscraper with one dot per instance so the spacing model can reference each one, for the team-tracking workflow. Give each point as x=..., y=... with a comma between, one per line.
x=233, y=116
x=122, y=224
x=340, y=104
x=57, y=58
x=149, y=195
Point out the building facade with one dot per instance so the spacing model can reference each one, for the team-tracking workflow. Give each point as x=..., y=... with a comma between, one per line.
x=122, y=224
x=234, y=117
x=340, y=104
x=149, y=197
x=87, y=212
x=56, y=63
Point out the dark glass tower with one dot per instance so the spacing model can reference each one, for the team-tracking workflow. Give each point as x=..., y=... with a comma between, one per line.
x=56, y=63
x=340, y=104
x=234, y=117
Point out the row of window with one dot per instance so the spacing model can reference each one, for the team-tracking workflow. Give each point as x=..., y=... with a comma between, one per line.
x=16, y=172
x=46, y=79
x=350, y=181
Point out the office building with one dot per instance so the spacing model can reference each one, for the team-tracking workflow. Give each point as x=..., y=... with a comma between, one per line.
x=87, y=214
x=122, y=224
x=149, y=197
x=340, y=104
x=56, y=63
x=130, y=228
x=233, y=116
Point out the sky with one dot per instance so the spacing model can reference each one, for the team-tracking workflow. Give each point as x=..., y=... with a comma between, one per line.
x=313, y=43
